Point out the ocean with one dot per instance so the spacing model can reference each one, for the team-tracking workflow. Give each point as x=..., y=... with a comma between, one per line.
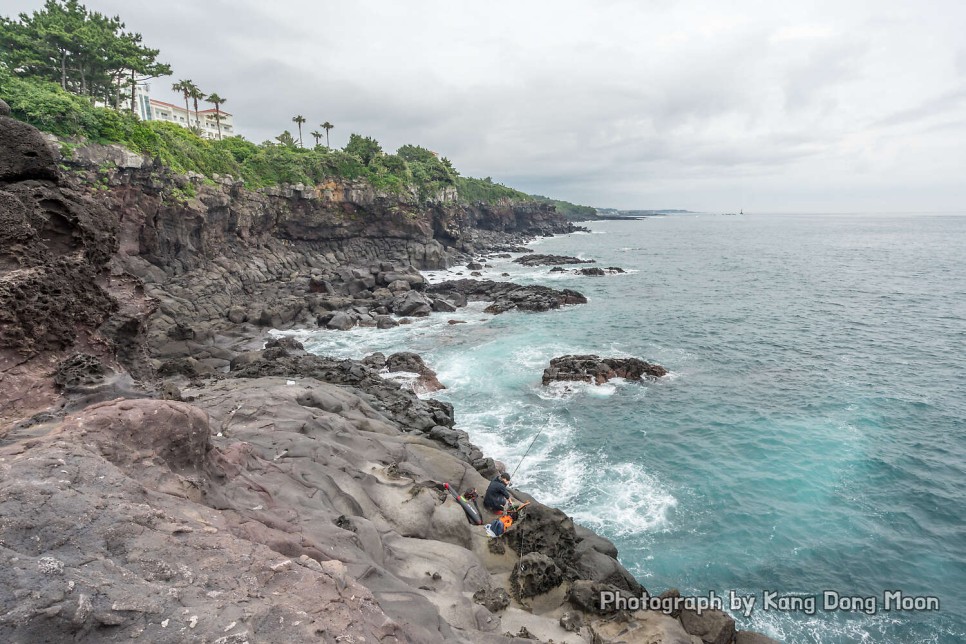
x=807, y=448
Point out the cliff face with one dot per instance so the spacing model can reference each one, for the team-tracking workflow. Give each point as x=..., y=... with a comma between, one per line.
x=186, y=221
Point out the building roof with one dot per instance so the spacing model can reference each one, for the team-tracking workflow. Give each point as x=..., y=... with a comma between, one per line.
x=155, y=101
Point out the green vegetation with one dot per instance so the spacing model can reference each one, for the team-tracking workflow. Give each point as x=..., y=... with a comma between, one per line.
x=67, y=71
x=569, y=210
x=486, y=191
x=85, y=52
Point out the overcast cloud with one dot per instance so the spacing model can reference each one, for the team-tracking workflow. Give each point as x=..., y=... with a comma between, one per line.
x=828, y=106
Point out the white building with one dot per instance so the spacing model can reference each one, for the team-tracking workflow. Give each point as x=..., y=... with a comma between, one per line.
x=150, y=109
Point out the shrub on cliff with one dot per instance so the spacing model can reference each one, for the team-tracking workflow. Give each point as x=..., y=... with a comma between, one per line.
x=476, y=190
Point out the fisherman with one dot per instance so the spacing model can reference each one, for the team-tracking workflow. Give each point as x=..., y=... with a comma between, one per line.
x=497, y=495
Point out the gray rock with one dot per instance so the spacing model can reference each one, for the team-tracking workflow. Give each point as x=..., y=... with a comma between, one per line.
x=712, y=626
x=386, y=322
x=341, y=321
x=534, y=574
x=25, y=153
x=412, y=303
x=597, y=370
x=571, y=621
x=442, y=306
x=4, y=108
x=493, y=599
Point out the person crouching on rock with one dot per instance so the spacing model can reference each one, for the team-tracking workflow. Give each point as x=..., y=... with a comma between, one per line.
x=497, y=495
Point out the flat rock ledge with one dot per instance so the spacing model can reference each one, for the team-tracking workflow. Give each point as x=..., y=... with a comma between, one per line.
x=550, y=260
x=597, y=370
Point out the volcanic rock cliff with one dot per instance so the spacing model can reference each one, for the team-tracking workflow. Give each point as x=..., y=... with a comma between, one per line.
x=166, y=474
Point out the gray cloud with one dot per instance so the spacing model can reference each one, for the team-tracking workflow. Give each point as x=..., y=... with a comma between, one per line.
x=695, y=104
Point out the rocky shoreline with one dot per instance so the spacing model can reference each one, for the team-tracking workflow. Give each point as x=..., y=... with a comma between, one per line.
x=170, y=472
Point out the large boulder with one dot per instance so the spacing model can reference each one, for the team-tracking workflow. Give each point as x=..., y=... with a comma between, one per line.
x=412, y=303
x=534, y=574
x=712, y=626
x=24, y=153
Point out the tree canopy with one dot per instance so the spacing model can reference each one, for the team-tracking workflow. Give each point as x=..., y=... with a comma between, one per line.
x=86, y=52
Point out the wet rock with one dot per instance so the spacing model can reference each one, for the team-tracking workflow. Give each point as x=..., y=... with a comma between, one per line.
x=412, y=303
x=597, y=370
x=593, y=272
x=386, y=322
x=412, y=363
x=340, y=321
x=375, y=360
x=507, y=296
x=442, y=306
x=474, y=266
x=549, y=260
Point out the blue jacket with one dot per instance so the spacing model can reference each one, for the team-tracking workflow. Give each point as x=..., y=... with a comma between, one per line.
x=496, y=495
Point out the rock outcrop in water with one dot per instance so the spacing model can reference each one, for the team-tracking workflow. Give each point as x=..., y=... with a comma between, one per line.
x=597, y=370
x=550, y=260
x=166, y=475
x=506, y=296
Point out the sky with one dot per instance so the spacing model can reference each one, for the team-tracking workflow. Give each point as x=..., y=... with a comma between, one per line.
x=811, y=106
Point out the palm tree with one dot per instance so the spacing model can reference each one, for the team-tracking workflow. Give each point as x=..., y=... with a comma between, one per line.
x=298, y=120
x=185, y=87
x=217, y=100
x=197, y=95
x=327, y=126
x=317, y=135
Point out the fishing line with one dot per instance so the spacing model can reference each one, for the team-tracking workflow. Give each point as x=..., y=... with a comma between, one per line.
x=527, y=452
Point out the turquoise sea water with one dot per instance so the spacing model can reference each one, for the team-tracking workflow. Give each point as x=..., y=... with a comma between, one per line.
x=811, y=435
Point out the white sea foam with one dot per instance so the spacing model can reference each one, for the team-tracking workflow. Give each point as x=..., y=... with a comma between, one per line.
x=627, y=500
x=568, y=389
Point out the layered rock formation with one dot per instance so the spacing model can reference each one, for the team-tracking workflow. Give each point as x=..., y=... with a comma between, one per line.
x=166, y=474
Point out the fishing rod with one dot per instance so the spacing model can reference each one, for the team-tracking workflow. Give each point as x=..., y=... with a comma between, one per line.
x=525, y=454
